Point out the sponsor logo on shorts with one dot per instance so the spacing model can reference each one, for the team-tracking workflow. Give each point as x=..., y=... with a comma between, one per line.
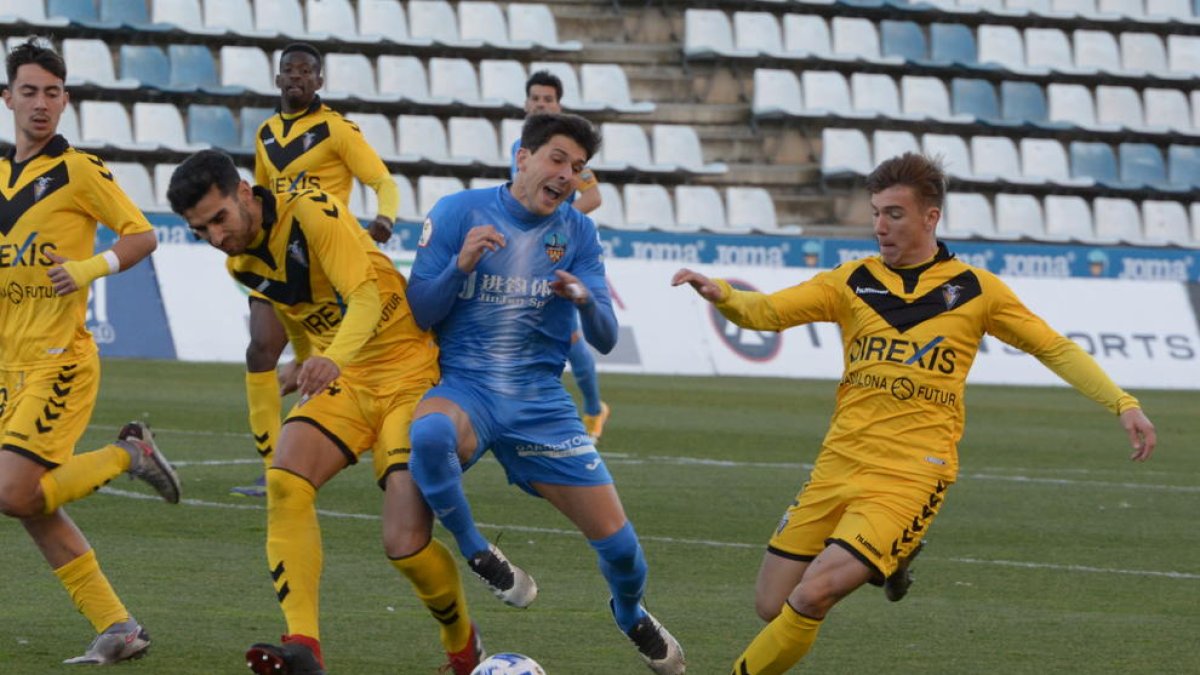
x=868, y=545
x=572, y=447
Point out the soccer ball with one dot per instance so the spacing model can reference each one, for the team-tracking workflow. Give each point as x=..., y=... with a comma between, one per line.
x=508, y=663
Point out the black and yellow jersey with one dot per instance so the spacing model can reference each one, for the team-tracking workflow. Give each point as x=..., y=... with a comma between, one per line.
x=311, y=257
x=320, y=149
x=50, y=204
x=909, y=337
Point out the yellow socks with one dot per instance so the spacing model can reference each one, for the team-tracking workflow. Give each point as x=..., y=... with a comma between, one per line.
x=82, y=475
x=294, y=549
x=435, y=579
x=780, y=645
x=91, y=592
x=262, y=397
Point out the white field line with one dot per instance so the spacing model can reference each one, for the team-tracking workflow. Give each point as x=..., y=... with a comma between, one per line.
x=670, y=540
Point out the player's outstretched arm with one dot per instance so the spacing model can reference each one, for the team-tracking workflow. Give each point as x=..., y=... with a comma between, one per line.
x=68, y=276
x=707, y=288
x=1141, y=434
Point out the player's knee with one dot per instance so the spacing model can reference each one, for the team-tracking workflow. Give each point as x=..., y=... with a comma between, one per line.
x=814, y=598
x=285, y=488
x=401, y=540
x=20, y=502
x=261, y=356
x=768, y=608
x=432, y=436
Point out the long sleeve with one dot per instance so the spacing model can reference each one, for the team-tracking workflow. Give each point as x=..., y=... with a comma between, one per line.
x=599, y=321
x=432, y=298
x=362, y=314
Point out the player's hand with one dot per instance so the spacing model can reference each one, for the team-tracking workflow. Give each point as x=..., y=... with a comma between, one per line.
x=288, y=377
x=707, y=289
x=1141, y=434
x=63, y=282
x=479, y=240
x=380, y=229
x=569, y=286
x=316, y=373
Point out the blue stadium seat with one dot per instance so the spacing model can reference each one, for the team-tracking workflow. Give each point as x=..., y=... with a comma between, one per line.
x=125, y=12
x=1142, y=165
x=212, y=124
x=903, y=39
x=1095, y=161
x=1023, y=102
x=952, y=43
x=1183, y=162
x=193, y=67
x=976, y=98
x=146, y=64
x=251, y=119
x=79, y=11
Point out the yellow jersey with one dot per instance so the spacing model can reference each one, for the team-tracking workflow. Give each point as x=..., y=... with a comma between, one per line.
x=51, y=203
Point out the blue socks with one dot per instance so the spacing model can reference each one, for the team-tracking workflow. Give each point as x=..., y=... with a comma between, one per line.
x=438, y=474
x=624, y=568
x=583, y=367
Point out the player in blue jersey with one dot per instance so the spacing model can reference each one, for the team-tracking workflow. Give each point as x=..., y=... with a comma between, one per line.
x=543, y=94
x=500, y=274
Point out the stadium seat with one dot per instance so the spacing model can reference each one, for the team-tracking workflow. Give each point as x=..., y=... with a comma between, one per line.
x=193, y=67
x=534, y=23
x=423, y=137
x=1143, y=53
x=409, y=208
x=1183, y=55
x=1171, y=9
x=352, y=76
x=967, y=215
x=650, y=206
x=845, y=151
x=360, y=205
x=134, y=180
x=1167, y=109
x=247, y=67
x=1165, y=222
x=1094, y=161
x=283, y=16
x=1071, y=103
x=1119, y=106
x=611, y=212
x=146, y=64
x=700, y=207
x=162, y=180
x=8, y=129
x=455, y=79
x=379, y=133
x=1019, y=216
x=625, y=146
x=756, y=32
x=875, y=94
x=510, y=133
x=435, y=20
x=234, y=15
x=776, y=93
x=1068, y=218
x=903, y=39
x=1183, y=166
x=1131, y=8
x=855, y=37
x=1045, y=158
x=1023, y=102
x=927, y=97
x=1097, y=50
x=1117, y=220
x=160, y=124
x=571, y=98
x=707, y=33
x=214, y=125
x=251, y=119
x=996, y=158
x=480, y=183
x=124, y=12
x=331, y=17
x=825, y=93
x=605, y=83
x=888, y=144
x=432, y=188
x=68, y=125
x=679, y=145
x=29, y=12
x=806, y=34
x=405, y=75
x=1002, y=46
x=952, y=43
x=503, y=80
x=1142, y=165
x=751, y=208
x=90, y=61
x=474, y=139
x=184, y=14
x=106, y=123
x=956, y=159
x=975, y=98
x=1040, y=6
x=484, y=21
x=1195, y=96
x=1049, y=48
x=386, y=18
x=79, y=11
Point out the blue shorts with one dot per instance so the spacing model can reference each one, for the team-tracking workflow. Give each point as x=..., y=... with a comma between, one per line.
x=537, y=439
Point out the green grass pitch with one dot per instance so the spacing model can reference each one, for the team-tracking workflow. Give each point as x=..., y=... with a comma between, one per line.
x=1054, y=553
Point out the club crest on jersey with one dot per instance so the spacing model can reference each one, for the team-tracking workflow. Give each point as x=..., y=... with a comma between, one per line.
x=308, y=140
x=556, y=246
x=426, y=233
x=40, y=186
x=296, y=253
x=951, y=294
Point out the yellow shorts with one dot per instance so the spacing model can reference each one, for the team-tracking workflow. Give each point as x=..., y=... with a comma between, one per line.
x=878, y=516
x=44, y=411
x=361, y=412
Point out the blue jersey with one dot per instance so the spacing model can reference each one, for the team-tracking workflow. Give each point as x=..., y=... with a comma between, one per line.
x=502, y=326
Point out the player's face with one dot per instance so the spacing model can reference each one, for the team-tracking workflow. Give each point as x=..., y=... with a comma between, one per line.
x=298, y=80
x=225, y=221
x=903, y=227
x=547, y=177
x=37, y=98
x=542, y=99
